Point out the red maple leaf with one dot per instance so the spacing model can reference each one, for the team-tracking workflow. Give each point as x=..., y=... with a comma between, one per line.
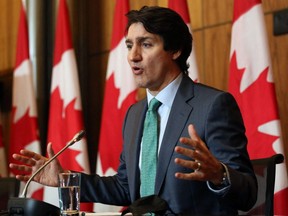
x=110, y=145
x=258, y=106
x=23, y=133
x=63, y=125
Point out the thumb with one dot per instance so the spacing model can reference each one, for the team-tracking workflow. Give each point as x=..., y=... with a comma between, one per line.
x=50, y=151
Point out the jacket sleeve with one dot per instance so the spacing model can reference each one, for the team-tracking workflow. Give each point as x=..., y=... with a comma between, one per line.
x=225, y=138
x=107, y=190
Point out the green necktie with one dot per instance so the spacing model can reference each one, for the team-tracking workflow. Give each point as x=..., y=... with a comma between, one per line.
x=149, y=149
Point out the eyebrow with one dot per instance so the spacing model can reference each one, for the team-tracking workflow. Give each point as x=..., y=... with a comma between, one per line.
x=138, y=39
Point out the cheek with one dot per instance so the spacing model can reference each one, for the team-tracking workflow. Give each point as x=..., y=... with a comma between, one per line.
x=154, y=66
x=155, y=60
x=157, y=63
x=160, y=62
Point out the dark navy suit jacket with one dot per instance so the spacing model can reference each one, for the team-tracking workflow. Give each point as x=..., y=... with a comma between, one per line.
x=218, y=122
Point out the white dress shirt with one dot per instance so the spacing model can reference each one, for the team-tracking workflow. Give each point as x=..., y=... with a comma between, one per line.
x=166, y=97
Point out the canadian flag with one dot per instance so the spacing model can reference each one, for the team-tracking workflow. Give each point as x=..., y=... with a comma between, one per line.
x=120, y=93
x=251, y=83
x=181, y=7
x=24, y=126
x=65, y=117
x=3, y=162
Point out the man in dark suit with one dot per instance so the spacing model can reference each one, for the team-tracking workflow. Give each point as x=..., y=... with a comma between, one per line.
x=203, y=167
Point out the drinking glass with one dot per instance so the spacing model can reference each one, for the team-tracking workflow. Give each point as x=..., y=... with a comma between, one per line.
x=69, y=194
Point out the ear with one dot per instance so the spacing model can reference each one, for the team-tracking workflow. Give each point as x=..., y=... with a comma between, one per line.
x=176, y=54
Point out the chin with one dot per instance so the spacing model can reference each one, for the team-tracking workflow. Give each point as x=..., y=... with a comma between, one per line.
x=139, y=83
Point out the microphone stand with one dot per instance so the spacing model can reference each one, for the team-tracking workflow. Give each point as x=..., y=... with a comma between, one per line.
x=22, y=206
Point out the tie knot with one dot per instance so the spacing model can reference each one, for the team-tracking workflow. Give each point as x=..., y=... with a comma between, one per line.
x=154, y=104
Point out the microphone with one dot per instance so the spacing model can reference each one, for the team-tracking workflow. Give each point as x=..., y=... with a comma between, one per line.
x=23, y=204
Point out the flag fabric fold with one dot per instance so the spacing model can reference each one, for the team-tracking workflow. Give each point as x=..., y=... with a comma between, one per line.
x=24, y=126
x=65, y=114
x=120, y=93
x=251, y=83
x=181, y=7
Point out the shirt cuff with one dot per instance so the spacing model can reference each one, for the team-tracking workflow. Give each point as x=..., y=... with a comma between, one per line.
x=221, y=189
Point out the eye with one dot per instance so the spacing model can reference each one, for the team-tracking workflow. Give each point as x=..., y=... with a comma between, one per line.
x=146, y=45
x=128, y=46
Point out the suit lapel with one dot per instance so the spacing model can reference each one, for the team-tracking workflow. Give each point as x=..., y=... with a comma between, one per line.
x=178, y=116
x=133, y=150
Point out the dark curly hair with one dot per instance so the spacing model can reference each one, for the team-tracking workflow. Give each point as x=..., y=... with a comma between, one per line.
x=167, y=24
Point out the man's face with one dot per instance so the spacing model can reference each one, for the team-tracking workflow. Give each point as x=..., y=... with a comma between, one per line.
x=152, y=66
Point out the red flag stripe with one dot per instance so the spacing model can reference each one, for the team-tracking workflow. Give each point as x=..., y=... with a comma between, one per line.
x=242, y=6
x=119, y=22
x=181, y=7
x=22, y=40
x=63, y=40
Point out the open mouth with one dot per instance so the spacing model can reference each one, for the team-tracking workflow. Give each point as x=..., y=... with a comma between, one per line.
x=136, y=70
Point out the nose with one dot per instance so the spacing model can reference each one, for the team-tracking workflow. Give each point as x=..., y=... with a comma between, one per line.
x=134, y=54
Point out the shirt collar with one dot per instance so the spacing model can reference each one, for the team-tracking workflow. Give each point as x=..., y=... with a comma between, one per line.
x=166, y=96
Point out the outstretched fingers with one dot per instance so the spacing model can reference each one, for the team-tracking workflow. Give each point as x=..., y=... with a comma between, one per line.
x=31, y=154
x=22, y=168
x=23, y=177
x=24, y=159
x=197, y=151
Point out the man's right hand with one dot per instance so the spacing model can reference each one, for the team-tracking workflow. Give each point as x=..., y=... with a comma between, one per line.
x=31, y=162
